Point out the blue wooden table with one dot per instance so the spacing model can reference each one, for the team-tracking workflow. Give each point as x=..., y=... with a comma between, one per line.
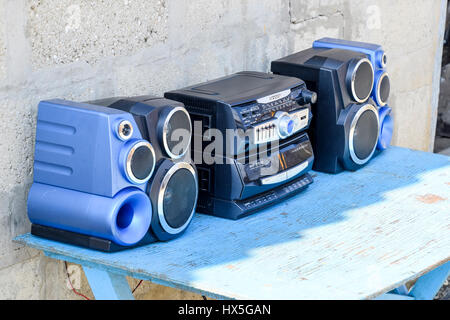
x=356, y=235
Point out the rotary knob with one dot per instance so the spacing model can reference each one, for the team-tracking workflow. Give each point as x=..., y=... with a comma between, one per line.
x=285, y=124
x=309, y=96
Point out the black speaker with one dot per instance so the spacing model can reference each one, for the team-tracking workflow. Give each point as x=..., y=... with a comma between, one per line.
x=173, y=188
x=345, y=124
x=174, y=193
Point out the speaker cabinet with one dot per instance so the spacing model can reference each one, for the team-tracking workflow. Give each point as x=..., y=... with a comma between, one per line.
x=91, y=170
x=90, y=149
x=164, y=122
x=173, y=189
x=381, y=87
x=345, y=125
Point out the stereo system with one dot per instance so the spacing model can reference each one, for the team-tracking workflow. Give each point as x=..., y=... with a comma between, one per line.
x=122, y=172
x=261, y=119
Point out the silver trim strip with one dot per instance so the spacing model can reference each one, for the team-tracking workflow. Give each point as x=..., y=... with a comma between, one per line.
x=165, y=181
x=285, y=175
x=351, y=147
x=275, y=96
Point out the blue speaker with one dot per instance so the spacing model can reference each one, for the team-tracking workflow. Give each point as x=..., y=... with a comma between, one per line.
x=386, y=127
x=90, y=148
x=91, y=170
x=381, y=86
x=173, y=188
x=123, y=219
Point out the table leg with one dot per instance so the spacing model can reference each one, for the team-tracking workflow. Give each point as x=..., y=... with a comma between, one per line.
x=425, y=288
x=107, y=285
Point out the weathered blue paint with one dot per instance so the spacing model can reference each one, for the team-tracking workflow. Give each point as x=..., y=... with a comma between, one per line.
x=427, y=286
x=355, y=235
x=402, y=290
x=107, y=285
x=393, y=296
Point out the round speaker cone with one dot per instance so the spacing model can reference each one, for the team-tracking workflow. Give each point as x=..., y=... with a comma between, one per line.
x=361, y=79
x=177, y=197
x=365, y=135
x=140, y=162
x=180, y=198
x=384, y=88
x=176, y=143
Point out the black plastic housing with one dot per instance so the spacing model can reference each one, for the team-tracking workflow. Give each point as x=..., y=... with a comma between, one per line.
x=149, y=113
x=326, y=71
x=243, y=101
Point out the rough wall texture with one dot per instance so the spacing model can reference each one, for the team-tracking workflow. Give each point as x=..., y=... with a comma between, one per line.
x=84, y=50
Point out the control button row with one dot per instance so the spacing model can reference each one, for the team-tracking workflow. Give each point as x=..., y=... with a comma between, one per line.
x=299, y=184
x=260, y=201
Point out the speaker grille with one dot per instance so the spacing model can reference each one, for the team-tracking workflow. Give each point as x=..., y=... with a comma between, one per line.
x=140, y=162
x=178, y=197
x=176, y=143
x=383, y=89
x=364, y=134
x=360, y=79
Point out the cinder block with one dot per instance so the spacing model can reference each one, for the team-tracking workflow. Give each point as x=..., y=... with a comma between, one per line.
x=152, y=291
x=13, y=222
x=311, y=20
x=22, y=281
x=215, y=32
x=412, y=118
x=405, y=26
x=2, y=44
x=16, y=156
x=303, y=11
x=65, y=31
x=39, y=278
x=304, y=33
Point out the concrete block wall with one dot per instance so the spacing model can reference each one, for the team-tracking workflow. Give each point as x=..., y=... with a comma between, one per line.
x=84, y=50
